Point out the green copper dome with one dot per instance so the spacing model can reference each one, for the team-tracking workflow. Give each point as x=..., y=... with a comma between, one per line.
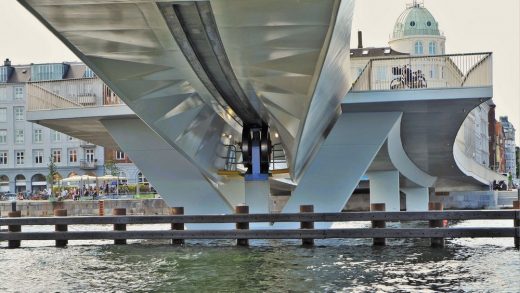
x=415, y=21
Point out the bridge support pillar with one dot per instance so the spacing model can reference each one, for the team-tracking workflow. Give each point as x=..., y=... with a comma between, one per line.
x=384, y=188
x=257, y=196
x=416, y=199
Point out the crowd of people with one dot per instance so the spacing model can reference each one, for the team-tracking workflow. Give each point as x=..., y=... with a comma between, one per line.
x=73, y=193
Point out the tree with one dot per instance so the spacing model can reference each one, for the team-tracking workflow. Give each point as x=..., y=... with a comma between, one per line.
x=53, y=173
x=111, y=168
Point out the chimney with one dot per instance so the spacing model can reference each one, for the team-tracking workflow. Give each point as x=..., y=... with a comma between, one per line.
x=360, y=39
x=7, y=62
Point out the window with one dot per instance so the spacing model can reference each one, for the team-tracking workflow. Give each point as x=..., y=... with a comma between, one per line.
x=432, y=48
x=38, y=136
x=3, y=94
x=419, y=48
x=120, y=155
x=412, y=23
x=18, y=113
x=38, y=157
x=433, y=71
x=51, y=71
x=73, y=156
x=20, y=157
x=55, y=136
x=89, y=73
x=56, y=156
x=70, y=138
x=381, y=73
x=19, y=136
x=141, y=178
x=5, y=72
x=3, y=114
x=18, y=93
x=89, y=155
x=3, y=157
x=3, y=135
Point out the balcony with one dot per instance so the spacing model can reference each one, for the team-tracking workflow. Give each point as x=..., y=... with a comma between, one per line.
x=426, y=72
x=87, y=164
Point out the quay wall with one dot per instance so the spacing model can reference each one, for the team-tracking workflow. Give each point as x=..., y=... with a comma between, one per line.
x=476, y=200
x=358, y=202
x=39, y=208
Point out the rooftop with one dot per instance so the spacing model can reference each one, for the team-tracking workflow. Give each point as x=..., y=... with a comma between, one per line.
x=416, y=20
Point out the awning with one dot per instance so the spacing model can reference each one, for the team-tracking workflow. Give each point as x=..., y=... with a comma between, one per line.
x=20, y=183
x=39, y=183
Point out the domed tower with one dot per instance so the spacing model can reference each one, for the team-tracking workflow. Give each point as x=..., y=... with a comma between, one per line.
x=417, y=32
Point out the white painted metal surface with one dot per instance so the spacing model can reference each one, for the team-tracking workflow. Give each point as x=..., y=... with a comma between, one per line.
x=384, y=188
x=292, y=56
x=416, y=199
x=342, y=160
x=178, y=181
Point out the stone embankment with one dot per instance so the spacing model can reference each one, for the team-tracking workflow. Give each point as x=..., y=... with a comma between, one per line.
x=40, y=208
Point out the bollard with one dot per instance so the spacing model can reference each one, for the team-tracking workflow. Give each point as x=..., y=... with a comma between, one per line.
x=177, y=211
x=436, y=241
x=242, y=225
x=101, y=206
x=119, y=227
x=378, y=207
x=516, y=206
x=307, y=225
x=60, y=228
x=14, y=228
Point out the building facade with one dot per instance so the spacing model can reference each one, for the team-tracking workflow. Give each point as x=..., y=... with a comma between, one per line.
x=509, y=146
x=26, y=148
x=499, y=162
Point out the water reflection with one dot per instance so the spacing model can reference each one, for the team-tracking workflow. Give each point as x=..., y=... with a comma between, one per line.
x=274, y=266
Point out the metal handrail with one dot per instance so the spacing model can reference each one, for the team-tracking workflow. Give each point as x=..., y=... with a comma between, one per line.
x=432, y=71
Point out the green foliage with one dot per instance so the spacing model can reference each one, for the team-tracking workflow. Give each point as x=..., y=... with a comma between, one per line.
x=52, y=176
x=111, y=168
x=53, y=172
x=144, y=188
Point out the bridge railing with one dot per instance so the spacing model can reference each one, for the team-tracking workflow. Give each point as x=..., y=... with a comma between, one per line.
x=426, y=72
x=69, y=93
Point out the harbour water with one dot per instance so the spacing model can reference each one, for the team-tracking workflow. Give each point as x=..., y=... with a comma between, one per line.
x=465, y=265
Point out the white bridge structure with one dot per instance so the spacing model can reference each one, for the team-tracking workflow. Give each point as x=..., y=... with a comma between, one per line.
x=219, y=101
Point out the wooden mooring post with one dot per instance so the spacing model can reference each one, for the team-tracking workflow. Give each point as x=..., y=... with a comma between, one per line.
x=436, y=206
x=60, y=227
x=101, y=207
x=177, y=211
x=14, y=228
x=306, y=224
x=119, y=227
x=243, y=209
x=378, y=207
x=516, y=206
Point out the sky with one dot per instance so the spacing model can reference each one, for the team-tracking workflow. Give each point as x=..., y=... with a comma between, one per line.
x=469, y=26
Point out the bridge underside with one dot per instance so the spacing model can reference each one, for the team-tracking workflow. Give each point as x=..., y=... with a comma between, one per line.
x=196, y=73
